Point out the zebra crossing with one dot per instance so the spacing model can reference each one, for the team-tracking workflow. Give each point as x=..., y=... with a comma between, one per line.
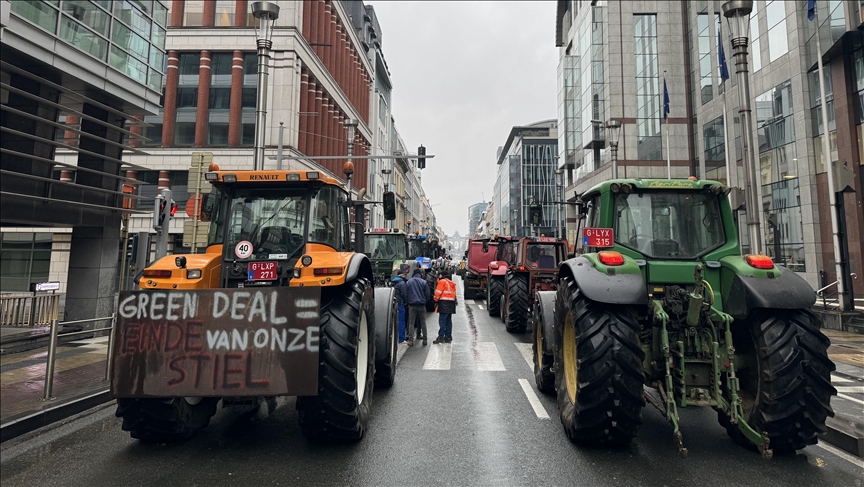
x=485, y=356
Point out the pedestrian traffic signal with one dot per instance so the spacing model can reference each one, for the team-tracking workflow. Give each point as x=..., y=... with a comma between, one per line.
x=164, y=209
x=421, y=157
x=389, y=205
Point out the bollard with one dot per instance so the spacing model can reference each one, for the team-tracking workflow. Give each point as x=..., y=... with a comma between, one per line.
x=49, y=367
x=109, y=364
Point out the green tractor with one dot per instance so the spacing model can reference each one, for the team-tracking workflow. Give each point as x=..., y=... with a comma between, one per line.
x=660, y=305
x=387, y=247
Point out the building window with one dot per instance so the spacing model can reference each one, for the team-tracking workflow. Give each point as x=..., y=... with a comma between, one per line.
x=816, y=117
x=775, y=13
x=704, y=35
x=187, y=98
x=250, y=91
x=38, y=12
x=648, y=140
x=224, y=13
x=756, y=43
x=715, y=150
x=154, y=133
x=179, y=186
x=220, y=97
x=193, y=13
x=25, y=258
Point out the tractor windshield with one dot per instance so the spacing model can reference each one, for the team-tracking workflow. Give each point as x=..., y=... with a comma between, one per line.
x=386, y=247
x=265, y=223
x=416, y=249
x=543, y=256
x=668, y=224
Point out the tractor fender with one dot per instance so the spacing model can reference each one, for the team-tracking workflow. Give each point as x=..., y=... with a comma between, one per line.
x=787, y=291
x=500, y=271
x=602, y=287
x=546, y=302
x=384, y=297
x=360, y=266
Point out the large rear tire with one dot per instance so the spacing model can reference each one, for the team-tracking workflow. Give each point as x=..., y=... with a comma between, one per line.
x=341, y=410
x=544, y=377
x=494, y=291
x=165, y=420
x=785, y=379
x=517, y=303
x=598, y=365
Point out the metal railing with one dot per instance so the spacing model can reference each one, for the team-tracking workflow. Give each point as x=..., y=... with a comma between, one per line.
x=52, y=350
x=835, y=295
x=29, y=309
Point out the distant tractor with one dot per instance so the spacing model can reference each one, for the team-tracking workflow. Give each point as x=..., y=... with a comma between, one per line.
x=387, y=248
x=496, y=284
x=480, y=252
x=280, y=304
x=661, y=306
x=534, y=269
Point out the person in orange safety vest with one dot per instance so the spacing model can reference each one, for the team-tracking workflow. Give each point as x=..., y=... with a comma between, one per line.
x=445, y=296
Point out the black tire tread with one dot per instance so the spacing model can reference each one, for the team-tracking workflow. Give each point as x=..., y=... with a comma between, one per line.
x=544, y=377
x=795, y=390
x=385, y=370
x=609, y=402
x=517, y=303
x=334, y=414
x=494, y=290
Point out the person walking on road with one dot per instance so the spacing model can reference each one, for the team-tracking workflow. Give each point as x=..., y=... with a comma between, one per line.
x=416, y=295
x=445, y=296
x=399, y=288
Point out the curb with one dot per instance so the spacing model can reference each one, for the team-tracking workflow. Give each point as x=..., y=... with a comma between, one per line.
x=33, y=421
x=846, y=434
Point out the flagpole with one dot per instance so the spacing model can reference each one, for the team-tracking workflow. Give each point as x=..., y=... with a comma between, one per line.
x=665, y=116
x=843, y=299
x=731, y=165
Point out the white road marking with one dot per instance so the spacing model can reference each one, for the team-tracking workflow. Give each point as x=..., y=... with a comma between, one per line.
x=527, y=353
x=438, y=357
x=400, y=351
x=478, y=301
x=539, y=410
x=840, y=453
x=851, y=389
x=91, y=341
x=480, y=306
x=844, y=396
x=488, y=359
x=835, y=378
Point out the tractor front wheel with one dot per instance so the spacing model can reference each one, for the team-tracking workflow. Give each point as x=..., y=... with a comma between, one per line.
x=785, y=378
x=340, y=411
x=494, y=291
x=598, y=365
x=158, y=420
x=517, y=303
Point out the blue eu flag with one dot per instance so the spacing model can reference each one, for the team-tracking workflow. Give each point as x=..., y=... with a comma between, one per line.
x=665, y=101
x=724, y=70
x=811, y=9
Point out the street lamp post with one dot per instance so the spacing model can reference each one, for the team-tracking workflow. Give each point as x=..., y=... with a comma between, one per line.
x=613, y=126
x=559, y=183
x=266, y=13
x=737, y=13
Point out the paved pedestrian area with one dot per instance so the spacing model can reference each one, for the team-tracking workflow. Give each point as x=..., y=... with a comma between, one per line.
x=79, y=371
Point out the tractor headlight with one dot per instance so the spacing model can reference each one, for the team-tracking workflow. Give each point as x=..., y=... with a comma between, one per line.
x=306, y=260
x=615, y=187
x=193, y=273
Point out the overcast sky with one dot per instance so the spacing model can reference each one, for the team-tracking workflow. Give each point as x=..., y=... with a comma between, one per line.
x=464, y=73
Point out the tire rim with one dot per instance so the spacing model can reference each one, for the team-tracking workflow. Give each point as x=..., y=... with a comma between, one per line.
x=192, y=401
x=571, y=372
x=362, y=368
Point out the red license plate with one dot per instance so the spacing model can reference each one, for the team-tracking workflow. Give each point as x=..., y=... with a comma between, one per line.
x=263, y=271
x=597, y=237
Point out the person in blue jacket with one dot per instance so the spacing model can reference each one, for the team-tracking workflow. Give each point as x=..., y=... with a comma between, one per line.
x=416, y=295
x=399, y=288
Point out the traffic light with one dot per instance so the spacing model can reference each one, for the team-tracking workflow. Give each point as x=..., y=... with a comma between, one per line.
x=389, y=205
x=164, y=209
x=421, y=157
x=535, y=213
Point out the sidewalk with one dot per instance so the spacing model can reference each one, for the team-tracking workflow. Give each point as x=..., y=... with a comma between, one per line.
x=78, y=385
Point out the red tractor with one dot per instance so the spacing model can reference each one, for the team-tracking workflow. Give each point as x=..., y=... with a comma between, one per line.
x=480, y=252
x=535, y=268
x=496, y=282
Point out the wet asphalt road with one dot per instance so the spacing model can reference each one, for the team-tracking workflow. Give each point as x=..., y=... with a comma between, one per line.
x=464, y=423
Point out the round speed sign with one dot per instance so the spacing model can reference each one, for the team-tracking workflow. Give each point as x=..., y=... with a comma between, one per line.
x=243, y=250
